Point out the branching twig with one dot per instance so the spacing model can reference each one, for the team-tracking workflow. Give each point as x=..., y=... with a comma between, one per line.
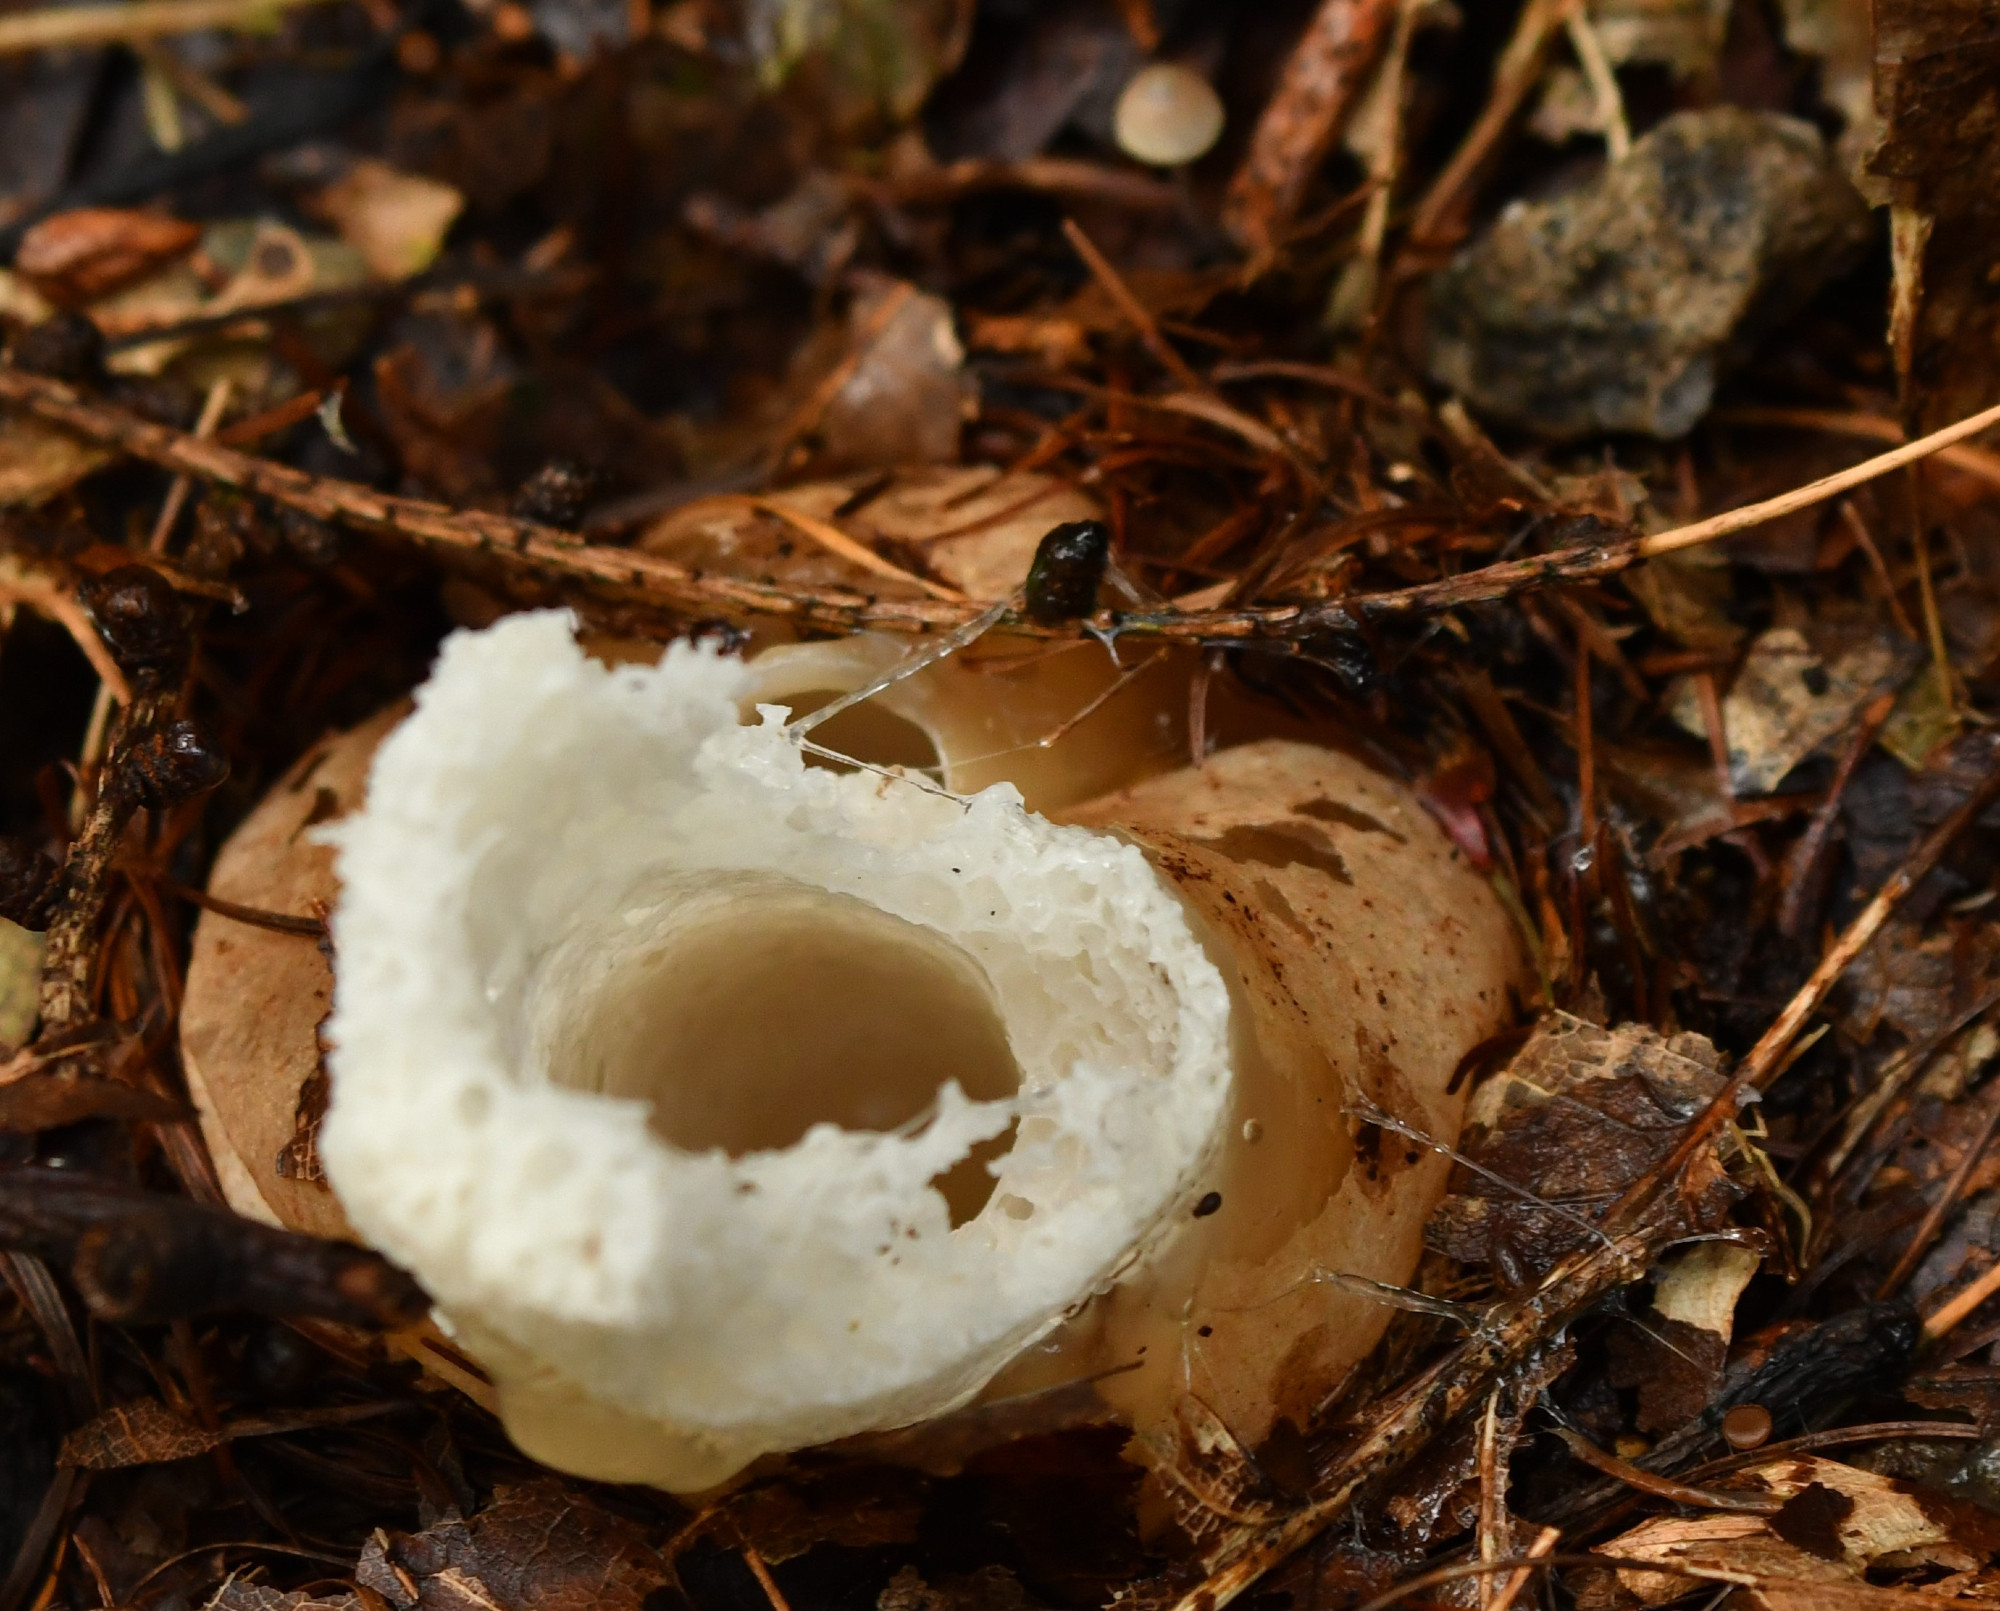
x=1407, y=1419
x=622, y=574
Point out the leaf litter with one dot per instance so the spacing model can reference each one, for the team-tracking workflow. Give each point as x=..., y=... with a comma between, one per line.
x=828, y=312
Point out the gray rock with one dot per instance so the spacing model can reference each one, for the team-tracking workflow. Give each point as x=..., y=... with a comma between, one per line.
x=1615, y=306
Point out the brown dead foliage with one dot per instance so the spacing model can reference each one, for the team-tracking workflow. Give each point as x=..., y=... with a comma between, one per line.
x=1578, y=1116
x=538, y=1546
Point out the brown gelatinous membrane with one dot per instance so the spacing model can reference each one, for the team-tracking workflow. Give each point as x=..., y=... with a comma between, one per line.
x=1365, y=957
x=1363, y=954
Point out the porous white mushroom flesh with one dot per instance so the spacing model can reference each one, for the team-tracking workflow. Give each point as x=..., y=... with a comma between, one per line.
x=728, y=1105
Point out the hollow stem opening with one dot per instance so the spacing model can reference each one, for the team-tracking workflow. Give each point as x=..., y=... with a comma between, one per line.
x=747, y=1013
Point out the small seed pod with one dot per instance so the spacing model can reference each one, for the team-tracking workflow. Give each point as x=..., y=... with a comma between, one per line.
x=29, y=882
x=143, y=621
x=65, y=346
x=557, y=494
x=172, y=764
x=1068, y=569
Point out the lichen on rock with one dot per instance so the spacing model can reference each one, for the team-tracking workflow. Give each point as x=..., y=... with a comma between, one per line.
x=1618, y=305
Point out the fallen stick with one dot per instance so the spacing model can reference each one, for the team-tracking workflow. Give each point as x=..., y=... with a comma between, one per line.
x=630, y=576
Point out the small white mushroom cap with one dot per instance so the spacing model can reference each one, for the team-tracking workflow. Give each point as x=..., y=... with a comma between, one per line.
x=1167, y=115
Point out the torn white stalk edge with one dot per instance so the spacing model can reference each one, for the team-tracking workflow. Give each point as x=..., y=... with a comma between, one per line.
x=534, y=841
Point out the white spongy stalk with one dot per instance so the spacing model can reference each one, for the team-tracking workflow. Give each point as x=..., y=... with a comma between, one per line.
x=631, y=1008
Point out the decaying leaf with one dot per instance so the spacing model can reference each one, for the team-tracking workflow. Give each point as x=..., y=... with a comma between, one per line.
x=1795, y=692
x=1939, y=158
x=903, y=395
x=144, y=1432
x=1674, y=1358
x=1837, y=1523
x=20, y=981
x=37, y=460
x=883, y=55
x=77, y=257
x=238, y=1595
x=1578, y=1115
x=397, y=221
x=538, y=1547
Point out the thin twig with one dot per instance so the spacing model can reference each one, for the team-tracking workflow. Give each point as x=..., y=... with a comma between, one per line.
x=1962, y=1303
x=61, y=607
x=1319, y=87
x=1545, y=1541
x=1979, y=461
x=1947, y=1200
x=69, y=954
x=126, y=22
x=631, y=576
x=1603, y=82
x=1659, y=1487
x=1812, y=843
x=1764, y=1060
x=1439, y=215
x=177, y=494
x=1121, y=295
x=1407, y=1419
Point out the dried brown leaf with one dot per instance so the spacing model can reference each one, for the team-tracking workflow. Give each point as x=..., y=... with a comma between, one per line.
x=1579, y=1115
x=1838, y=1521
x=539, y=1547
x=142, y=1433
x=76, y=257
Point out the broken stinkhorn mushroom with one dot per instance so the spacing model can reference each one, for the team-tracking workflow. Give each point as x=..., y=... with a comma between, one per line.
x=729, y=1105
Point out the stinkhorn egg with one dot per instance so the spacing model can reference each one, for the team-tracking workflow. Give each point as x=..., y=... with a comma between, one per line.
x=730, y=1105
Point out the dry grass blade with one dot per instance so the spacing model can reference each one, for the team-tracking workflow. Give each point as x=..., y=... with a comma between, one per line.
x=835, y=541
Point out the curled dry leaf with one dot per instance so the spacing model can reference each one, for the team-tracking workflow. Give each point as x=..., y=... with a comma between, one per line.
x=76, y=257
x=1325, y=897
